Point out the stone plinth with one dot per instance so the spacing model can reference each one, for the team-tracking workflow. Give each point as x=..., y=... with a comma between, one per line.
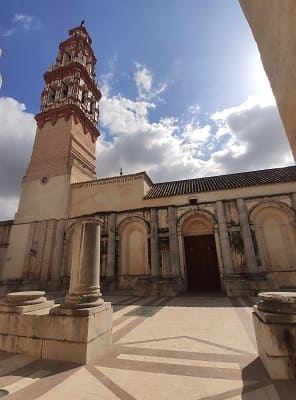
x=80, y=328
x=43, y=331
x=275, y=326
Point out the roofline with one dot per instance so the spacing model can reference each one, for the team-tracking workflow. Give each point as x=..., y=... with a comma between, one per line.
x=222, y=176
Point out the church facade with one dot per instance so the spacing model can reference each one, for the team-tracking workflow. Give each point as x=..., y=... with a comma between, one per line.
x=233, y=233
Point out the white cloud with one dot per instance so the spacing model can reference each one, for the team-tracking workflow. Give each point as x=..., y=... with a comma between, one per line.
x=21, y=21
x=257, y=138
x=122, y=115
x=245, y=137
x=144, y=82
x=16, y=136
x=143, y=79
x=9, y=32
x=24, y=19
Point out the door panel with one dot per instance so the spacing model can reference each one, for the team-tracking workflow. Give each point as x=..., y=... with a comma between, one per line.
x=201, y=263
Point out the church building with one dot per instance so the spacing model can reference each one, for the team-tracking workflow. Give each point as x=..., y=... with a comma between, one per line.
x=234, y=234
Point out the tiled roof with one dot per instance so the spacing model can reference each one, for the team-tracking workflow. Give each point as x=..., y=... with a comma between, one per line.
x=222, y=182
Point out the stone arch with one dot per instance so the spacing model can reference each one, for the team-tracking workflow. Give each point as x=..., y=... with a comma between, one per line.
x=275, y=230
x=267, y=204
x=197, y=225
x=206, y=218
x=133, y=258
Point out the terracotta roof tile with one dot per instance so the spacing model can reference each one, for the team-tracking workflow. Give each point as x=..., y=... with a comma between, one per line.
x=222, y=182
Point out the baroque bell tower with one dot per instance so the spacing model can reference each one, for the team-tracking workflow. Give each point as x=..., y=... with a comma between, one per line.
x=64, y=147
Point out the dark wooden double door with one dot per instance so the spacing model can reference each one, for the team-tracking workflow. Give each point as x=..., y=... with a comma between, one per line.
x=201, y=263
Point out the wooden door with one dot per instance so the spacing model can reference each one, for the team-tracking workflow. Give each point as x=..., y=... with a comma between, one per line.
x=201, y=263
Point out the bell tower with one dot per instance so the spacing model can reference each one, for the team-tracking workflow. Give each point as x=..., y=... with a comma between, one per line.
x=65, y=141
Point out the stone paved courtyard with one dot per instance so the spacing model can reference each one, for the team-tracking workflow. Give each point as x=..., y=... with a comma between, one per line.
x=188, y=348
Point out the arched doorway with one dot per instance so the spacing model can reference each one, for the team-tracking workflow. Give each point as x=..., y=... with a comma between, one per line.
x=202, y=270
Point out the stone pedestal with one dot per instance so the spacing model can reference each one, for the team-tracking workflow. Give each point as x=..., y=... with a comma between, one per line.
x=275, y=327
x=77, y=335
x=84, y=309
x=80, y=328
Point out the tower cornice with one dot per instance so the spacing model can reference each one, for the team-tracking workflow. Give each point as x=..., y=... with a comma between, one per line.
x=66, y=112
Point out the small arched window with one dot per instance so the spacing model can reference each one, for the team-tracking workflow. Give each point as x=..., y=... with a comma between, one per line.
x=92, y=106
x=65, y=91
x=84, y=97
x=51, y=95
x=66, y=58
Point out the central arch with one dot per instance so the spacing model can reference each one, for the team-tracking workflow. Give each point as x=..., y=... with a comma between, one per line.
x=200, y=255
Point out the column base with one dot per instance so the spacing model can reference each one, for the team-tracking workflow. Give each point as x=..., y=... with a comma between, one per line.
x=82, y=300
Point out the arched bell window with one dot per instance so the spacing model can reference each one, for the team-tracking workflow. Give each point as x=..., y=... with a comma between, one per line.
x=51, y=95
x=65, y=90
x=84, y=97
x=66, y=58
x=92, y=106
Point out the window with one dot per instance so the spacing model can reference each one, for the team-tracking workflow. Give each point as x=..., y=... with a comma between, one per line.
x=66, y=58
x=51, y=95
x=84, y=97
x=65, y=90
x=92, y=106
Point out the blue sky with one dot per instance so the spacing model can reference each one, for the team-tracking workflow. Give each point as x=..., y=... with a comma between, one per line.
x=185, y=94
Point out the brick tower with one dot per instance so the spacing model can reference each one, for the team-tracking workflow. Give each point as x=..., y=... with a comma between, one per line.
x=64, y=148
x=63, y=153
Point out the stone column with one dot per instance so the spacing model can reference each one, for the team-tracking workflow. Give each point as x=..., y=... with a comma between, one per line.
x=173, y=239
x=155, y=268
x=110, y=270
x=247, y=237
x=84, y=291
x=224, y=239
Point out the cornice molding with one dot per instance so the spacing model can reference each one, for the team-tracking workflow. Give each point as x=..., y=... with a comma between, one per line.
x=66, y=112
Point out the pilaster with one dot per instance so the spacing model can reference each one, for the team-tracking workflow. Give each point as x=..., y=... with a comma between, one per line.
x=110, y=271
x=173, y=240
x=155, y=267
x=224, y=239
x=247, y=237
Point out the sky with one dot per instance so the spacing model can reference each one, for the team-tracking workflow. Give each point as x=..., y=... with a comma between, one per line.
x=184, y=91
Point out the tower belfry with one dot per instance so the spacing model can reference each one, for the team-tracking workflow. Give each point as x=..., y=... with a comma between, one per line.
x=65, y=142
x=70, y=84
